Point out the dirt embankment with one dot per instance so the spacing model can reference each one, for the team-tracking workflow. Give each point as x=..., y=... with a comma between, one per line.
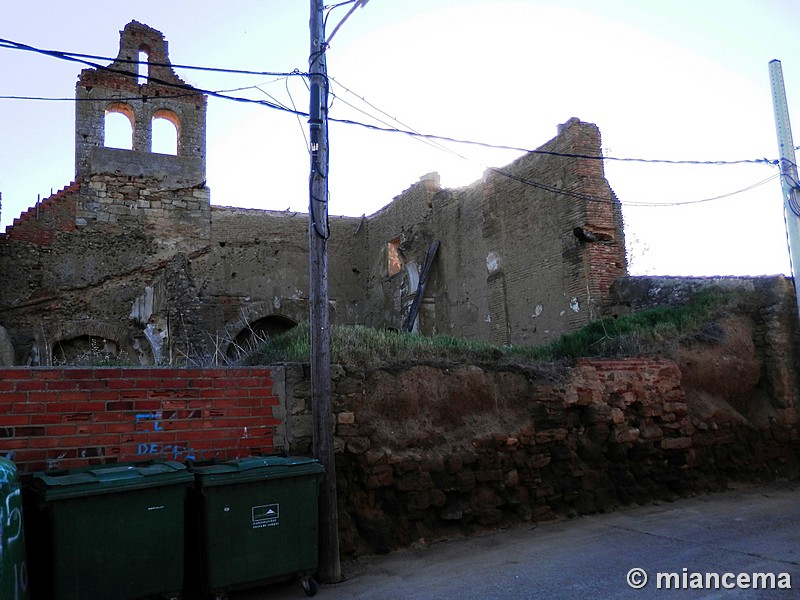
x=441, y=450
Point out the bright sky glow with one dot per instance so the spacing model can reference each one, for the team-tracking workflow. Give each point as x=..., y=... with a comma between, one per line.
x=681, y=80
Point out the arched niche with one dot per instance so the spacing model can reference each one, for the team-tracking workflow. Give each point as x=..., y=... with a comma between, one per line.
x=88, y=350
x=254, y=334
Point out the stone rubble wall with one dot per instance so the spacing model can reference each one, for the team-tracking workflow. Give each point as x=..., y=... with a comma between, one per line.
x=434, y=450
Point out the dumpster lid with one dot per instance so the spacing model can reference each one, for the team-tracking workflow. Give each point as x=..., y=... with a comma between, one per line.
x=108, y=478
x=257, y=467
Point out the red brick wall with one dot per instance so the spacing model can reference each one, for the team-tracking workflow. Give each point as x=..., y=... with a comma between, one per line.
x=70, y=417
x=40, y=225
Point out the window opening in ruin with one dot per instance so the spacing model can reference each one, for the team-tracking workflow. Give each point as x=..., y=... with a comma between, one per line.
x=166, y=126
x=88, y=350
x=395, y=261
x=118, y=126
x=143, y=68
x=255, y=334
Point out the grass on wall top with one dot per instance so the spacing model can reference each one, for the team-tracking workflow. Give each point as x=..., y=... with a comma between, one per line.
x=651, y=332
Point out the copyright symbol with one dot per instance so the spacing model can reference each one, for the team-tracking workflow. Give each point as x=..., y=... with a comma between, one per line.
x=637, y=578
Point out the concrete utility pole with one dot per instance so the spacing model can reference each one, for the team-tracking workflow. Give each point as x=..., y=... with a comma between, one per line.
x=789, y=181
x=330, y=570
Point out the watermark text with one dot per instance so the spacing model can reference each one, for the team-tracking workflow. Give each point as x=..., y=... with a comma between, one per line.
x=638, y=578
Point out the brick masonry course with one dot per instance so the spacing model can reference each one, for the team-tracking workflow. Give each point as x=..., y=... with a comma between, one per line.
x=71, y=417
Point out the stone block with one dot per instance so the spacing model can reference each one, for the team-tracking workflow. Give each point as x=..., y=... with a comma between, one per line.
x=650, y=432
x=434, y=464
x=453, y=463
x=676, y=443
x=599, y=413
x=339, y=445
x=551, y=435
x=489, y=475
x=358, y=444
x=679, y=409
x=490, y=516
x=465, y=481
x=438, y=498
x=652, y=410
x=452, y=513
x=374, y=457
x=538, y=461
x=346, y=418
x=347, y=430
x=379, y=476
x=624, y=435
x=414, y=482
x=418, y=501
x=511, y=478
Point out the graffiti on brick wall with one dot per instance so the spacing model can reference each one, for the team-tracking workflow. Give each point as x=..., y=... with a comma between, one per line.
x=68, y=419
x=176, y=451
x=13, y=569
x=151, y=421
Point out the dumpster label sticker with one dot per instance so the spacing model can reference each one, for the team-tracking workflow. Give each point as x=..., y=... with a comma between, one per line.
x=266, y=515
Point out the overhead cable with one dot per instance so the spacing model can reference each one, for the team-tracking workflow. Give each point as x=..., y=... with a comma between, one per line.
x=12, y=45
x=687, y=202
x=81, y=58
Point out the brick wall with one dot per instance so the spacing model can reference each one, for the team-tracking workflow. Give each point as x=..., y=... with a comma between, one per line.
x=71, y=417
x=43, y=222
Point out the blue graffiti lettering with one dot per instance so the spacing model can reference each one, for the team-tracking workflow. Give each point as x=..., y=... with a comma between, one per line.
x=177, y=451
x=153, y=416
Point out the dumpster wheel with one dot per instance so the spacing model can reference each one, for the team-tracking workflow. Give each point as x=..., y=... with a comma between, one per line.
x=309, y=586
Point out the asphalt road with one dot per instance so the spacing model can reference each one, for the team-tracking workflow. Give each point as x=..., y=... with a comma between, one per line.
x=746, y=531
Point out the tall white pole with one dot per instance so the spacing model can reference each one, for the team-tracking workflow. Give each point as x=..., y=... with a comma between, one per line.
x=789, y=181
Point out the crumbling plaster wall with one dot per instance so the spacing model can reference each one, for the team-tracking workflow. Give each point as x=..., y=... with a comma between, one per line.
x=257, y=267
x=85, y=279
x=134, y=251
x=509, y=269
x=527, y=254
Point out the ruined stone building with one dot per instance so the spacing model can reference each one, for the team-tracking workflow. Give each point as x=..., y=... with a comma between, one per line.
x=133, y=256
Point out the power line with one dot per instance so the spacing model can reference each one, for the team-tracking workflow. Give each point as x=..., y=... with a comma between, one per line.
x=294, y=107
x=274, y=99
x=76, y=57
x=552, y=153
x=137, y=97
x=538, y=184
x=688, y=202
x=430, y=143
x=190, y=90
x=545, y=187
x=275, y=104
x=12, y=45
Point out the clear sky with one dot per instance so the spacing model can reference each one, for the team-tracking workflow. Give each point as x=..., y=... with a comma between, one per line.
x=663, y=79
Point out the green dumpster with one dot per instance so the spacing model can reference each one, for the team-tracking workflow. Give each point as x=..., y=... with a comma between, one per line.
x=257, y=522
x=112, y=531
x=13, y=570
